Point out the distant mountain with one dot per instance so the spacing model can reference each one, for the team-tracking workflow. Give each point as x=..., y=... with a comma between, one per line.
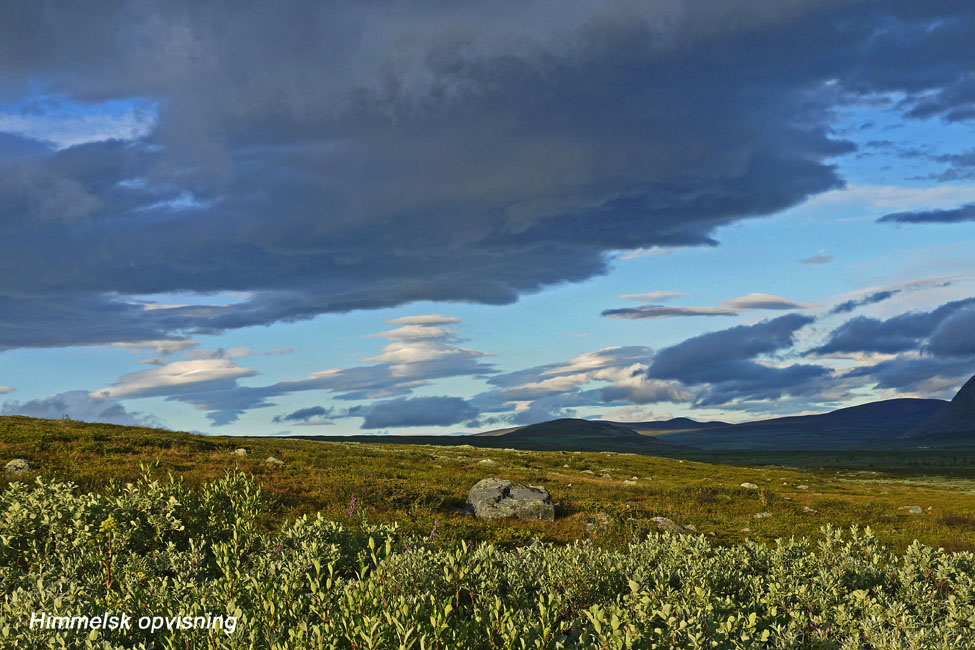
x=856, y=427
x=877, y=425
x=675, y=424
x=573, y=434
x=958, y=416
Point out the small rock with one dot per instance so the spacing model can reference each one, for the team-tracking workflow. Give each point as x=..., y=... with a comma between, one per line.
x=808, y=509
x=690, y=527
x=605, y=476
x=271, y=460
x=466, y=447
x=667, y=524
x=496, y=498
x=788, y=499
x=762, y=515
x=746, y=530
x=17, y=466
x=912, y=510
x=486, y=461
x=566, y=465
x=633, y=478
x=240, y=452
x=750, y=486
x=588, y=471
x=802, y=487
x=629, y=482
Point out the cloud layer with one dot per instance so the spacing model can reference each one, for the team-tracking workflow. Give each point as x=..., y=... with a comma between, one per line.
x=325, y=157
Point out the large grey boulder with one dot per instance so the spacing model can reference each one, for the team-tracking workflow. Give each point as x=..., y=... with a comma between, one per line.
x=17, y=466
x=495, y=498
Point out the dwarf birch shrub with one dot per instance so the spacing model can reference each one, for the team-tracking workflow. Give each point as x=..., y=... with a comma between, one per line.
x=156, y=548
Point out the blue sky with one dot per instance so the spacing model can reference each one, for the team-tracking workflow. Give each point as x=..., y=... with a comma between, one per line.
x=433, y=220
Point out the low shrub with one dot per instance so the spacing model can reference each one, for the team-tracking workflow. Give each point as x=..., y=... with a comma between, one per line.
x=158, y=549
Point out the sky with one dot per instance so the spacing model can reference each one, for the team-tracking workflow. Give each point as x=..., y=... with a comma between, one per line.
x=439, y=217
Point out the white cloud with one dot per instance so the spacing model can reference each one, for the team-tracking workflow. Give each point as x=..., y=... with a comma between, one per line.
x=163, y=347
x=893, y=198
x=653, y=296
x=651, y=251
x=424, y=319
x=6, y=389
x=624, y=369
x=414, y=333
x=763, y=301
x=176, y=377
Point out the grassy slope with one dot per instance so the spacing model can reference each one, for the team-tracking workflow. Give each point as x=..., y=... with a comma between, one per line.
x=416, y=484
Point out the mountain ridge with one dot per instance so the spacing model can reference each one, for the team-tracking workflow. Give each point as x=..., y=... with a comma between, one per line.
x=958, y=415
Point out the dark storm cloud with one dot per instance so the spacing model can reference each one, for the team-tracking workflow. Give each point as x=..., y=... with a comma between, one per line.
x=962, y=213
x=414, y=412
x=908, y=373
x=870, y=299
x=961, y=166
x=955, y=335
x=305, y=414
x=896, y=334
x=332, y=156
x=724, y=365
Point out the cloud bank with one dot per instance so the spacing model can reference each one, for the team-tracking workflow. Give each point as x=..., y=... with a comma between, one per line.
x=326, y=158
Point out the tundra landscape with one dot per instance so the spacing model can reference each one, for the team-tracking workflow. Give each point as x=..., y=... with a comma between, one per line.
x=548, y=324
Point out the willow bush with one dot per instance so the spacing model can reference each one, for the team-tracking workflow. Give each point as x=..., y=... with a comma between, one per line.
x=158, y=549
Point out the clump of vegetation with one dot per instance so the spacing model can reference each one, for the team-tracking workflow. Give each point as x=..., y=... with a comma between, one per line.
x=158, y=548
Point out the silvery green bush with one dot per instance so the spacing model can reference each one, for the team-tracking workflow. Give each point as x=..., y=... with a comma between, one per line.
x=157, y=548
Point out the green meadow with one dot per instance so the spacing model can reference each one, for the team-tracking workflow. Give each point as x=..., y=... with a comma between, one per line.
x=420, y=487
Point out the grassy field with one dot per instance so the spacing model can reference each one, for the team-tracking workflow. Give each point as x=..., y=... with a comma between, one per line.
x=424, y=487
